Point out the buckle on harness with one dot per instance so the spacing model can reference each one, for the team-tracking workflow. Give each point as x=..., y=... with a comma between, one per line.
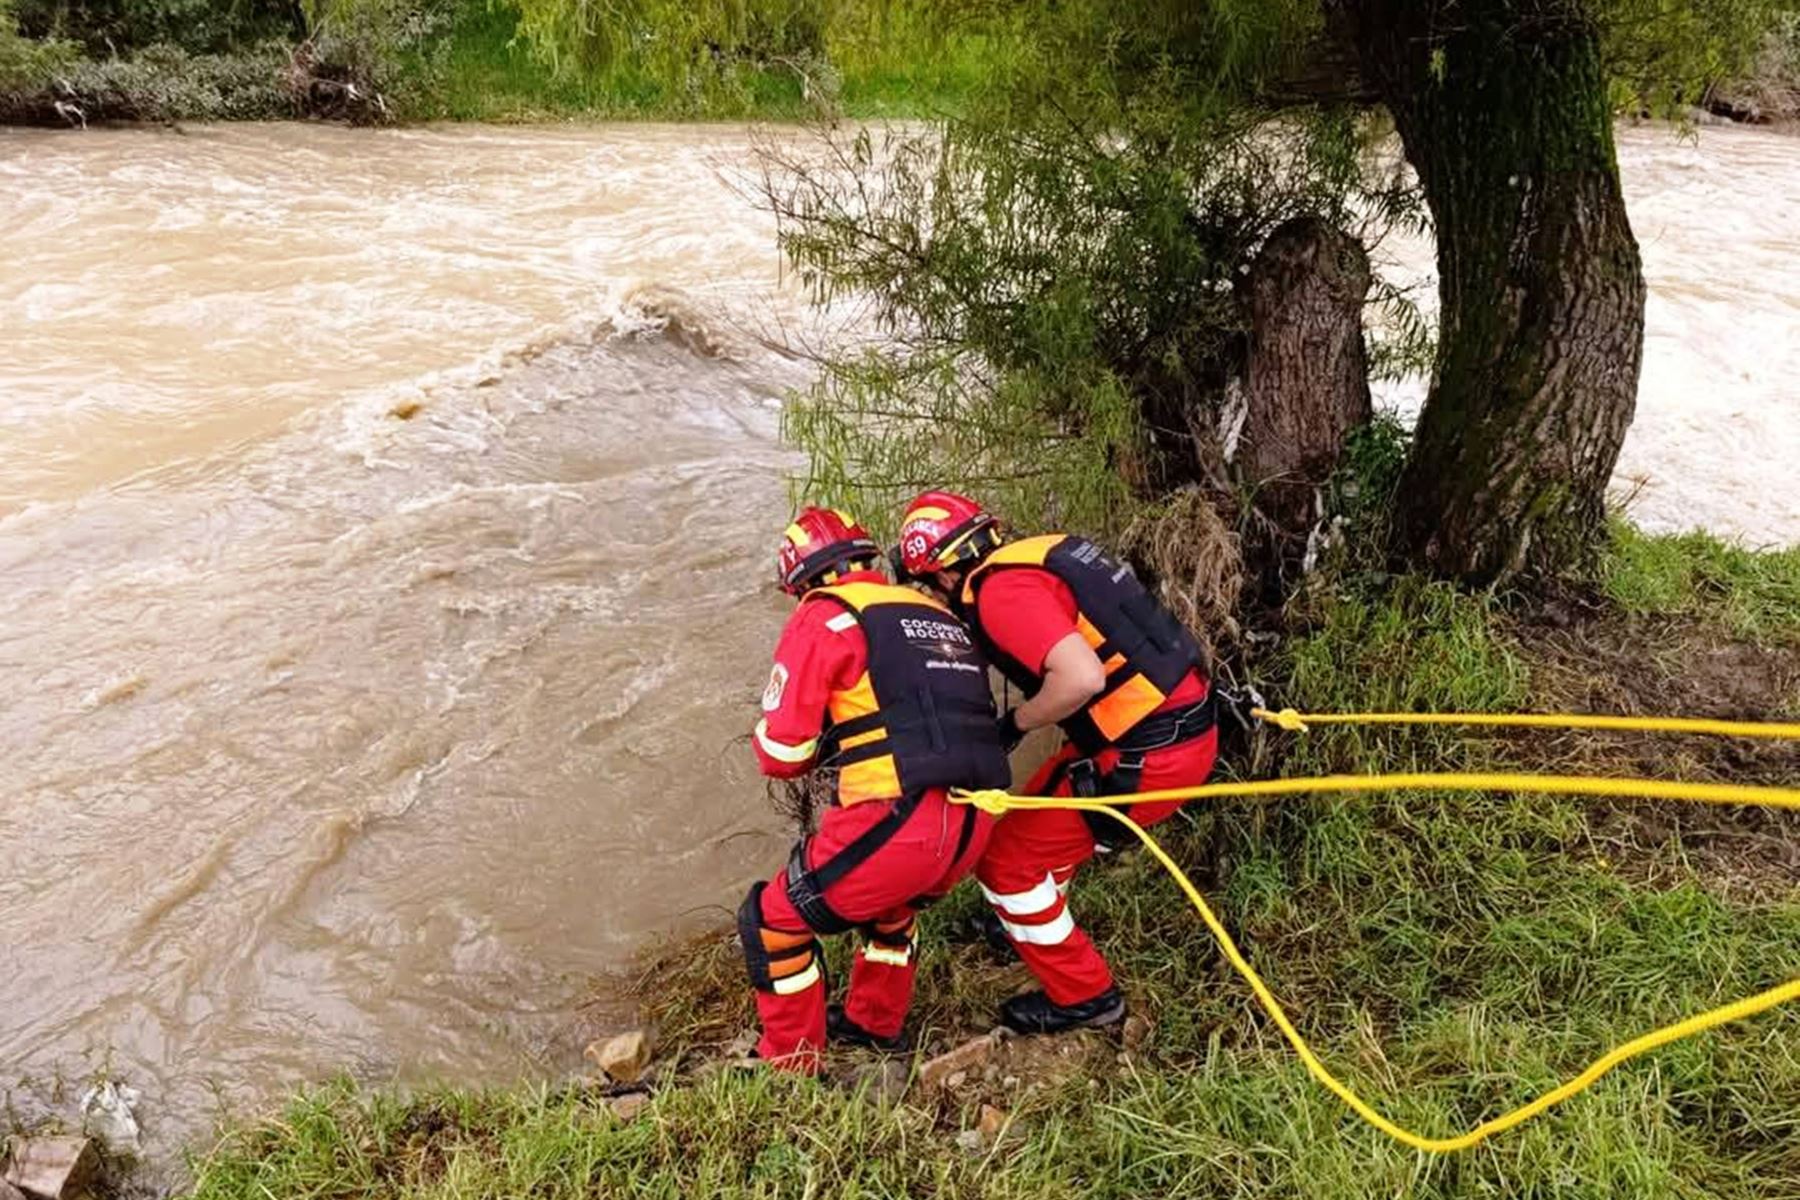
x=1237, y=702
x=1159, y=731
x=1089, y=782
x=806, y=885
x=807, y=896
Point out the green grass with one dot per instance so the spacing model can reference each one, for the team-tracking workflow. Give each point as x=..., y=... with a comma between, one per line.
x=1451, y=955
x=752, y=1135
x=483, y=71
x=1753, y=593
x=884, y=62
x=485, y=77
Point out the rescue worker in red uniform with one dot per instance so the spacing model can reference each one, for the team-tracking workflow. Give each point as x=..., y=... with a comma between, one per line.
x=1095, y=653
x=886, y=686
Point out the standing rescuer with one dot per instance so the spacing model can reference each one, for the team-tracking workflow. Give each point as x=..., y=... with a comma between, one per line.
x=888, y=687
x=1095, y=653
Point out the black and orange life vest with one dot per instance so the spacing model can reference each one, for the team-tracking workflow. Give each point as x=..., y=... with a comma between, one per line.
x=1145, y=650
x=922, y=715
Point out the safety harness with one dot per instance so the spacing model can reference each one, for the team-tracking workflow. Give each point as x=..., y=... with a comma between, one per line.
x=1088, y=782
x=922, y=714
x=922, y=717
x=1146, y=654
x=806, y=885
x=1145, y=651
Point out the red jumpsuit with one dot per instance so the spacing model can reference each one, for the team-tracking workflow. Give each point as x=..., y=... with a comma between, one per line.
x=823, y=651
x=1034, y=853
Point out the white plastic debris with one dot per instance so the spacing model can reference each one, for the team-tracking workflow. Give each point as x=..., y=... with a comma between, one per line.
x=107, y=1117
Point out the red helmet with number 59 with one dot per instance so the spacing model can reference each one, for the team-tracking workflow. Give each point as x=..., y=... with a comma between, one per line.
x=942, y=530
x=819, y=542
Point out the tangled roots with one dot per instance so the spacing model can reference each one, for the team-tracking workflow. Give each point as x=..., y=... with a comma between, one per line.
x=1198, y=565
x=802, y=800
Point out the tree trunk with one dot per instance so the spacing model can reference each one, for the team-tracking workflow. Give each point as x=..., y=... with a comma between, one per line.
x=1502, y=107
x=1306, y=377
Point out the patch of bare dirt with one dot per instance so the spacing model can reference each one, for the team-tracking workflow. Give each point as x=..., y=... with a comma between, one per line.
x=1020, y=1071
x=1604, y=662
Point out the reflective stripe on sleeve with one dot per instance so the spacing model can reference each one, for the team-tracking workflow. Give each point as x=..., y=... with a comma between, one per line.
x=782, y=752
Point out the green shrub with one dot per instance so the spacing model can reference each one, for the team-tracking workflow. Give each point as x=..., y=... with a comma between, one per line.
x=160, y=83
x=113, y=28
x=26, y=63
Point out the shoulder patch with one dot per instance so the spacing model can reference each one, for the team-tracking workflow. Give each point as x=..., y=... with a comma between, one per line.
x=841, y=622
x=771, y=698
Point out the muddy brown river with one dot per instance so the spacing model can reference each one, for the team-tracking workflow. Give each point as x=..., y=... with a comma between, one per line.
x=384, y=536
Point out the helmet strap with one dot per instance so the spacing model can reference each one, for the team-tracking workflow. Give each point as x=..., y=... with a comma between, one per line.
x=830, y=559
x=839, y=569
x=970, y=543
x=958, y=575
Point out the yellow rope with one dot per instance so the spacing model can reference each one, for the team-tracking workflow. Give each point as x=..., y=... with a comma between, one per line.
x=1472, y=781
x=1000, y=802
x=1297, y=722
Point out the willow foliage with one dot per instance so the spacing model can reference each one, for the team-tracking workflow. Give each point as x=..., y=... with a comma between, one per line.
x=1054, y=273
x=697, y=54
x=1665, y=54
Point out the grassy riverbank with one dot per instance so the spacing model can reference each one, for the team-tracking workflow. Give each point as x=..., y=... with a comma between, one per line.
x=484, y=71
x=1450, y=954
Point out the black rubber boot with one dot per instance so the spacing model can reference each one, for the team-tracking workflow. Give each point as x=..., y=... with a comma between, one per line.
x=992, y=933
x=1033, y=1013
x=840, y=1028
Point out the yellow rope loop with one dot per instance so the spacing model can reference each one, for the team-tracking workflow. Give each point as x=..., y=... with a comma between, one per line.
x=1287, y=719
x=997, y=802
x=991, y=801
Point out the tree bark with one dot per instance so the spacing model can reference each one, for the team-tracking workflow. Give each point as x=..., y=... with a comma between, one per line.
x=1502, y=107
x=1306, y=376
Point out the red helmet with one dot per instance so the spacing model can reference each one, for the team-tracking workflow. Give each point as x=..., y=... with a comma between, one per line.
x=943, y=529
x=821, y=540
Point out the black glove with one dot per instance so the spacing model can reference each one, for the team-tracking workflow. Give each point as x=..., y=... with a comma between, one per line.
x=1010, y=733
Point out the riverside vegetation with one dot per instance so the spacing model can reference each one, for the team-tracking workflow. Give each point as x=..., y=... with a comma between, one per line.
x=372, y=61
x=67, y=61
